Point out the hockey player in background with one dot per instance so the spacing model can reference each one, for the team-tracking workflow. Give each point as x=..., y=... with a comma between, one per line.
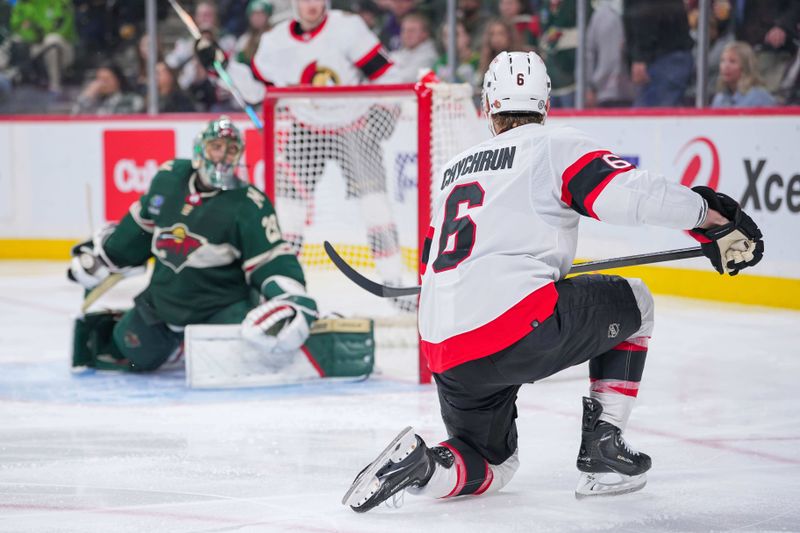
x=496, y=311
x=322, y=47
x=218, y=252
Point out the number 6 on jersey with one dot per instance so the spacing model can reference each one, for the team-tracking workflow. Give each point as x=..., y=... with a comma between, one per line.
x=461, y=228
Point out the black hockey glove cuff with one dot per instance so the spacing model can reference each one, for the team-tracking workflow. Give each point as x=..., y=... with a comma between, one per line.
x=733, y=246
x=208, y=51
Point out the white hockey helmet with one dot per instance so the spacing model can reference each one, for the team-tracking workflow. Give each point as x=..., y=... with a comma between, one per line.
x=515, y=82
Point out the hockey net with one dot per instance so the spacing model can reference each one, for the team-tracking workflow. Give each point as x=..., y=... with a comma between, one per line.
x=353, y=166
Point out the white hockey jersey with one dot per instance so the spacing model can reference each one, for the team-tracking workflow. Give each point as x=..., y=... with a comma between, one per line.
x=340, y=51
x=505, y=228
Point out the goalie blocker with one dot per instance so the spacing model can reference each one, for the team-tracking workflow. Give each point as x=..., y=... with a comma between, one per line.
x=218, y=357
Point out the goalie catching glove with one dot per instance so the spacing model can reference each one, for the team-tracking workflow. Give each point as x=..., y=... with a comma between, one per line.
x=90, y=265
x=732, y=246
x=282, y=323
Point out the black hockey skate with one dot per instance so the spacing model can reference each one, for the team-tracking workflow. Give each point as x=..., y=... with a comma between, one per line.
x=608, y=464
x=406, y=462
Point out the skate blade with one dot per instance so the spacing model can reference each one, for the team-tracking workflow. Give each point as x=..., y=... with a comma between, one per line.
x=608, y=484
x=366, y=484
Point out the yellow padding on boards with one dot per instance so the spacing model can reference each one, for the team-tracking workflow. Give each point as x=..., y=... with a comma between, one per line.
x=51, y=249
x=743, y=289
x=358, y=256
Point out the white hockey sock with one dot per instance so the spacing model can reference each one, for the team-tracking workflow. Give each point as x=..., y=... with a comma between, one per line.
x=617, y=405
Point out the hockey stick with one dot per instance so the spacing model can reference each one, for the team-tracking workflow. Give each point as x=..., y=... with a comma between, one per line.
x=187, y=19
x=103, y=287
x=385, y=291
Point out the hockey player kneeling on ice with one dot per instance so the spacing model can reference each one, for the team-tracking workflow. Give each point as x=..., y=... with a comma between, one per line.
x=504, y=233
x=218, y=254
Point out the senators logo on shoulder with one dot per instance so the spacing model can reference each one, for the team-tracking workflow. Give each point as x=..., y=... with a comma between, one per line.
x=175, y=244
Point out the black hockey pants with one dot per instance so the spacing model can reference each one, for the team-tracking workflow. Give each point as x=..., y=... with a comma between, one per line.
x=593, y=314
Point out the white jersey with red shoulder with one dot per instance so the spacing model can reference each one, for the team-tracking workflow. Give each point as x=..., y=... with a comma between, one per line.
x=505, y=228
x=340, y=51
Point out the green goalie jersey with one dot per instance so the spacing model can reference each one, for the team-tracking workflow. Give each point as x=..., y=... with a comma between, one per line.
x=211, y=249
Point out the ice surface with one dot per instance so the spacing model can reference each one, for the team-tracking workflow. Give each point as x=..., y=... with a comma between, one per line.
x=110, y=452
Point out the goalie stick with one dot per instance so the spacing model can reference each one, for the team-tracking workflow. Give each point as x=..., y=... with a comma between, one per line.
x=221, y=72
x=103, y=287
x=384, y=291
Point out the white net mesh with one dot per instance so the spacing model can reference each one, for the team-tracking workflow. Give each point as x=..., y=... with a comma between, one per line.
x=346, y=170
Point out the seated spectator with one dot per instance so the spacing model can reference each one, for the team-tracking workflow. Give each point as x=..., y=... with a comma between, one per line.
x=720, y=33
x=609, y=84
x=528, y=26
x=659, y=46
x=233, y=16
x=142, y=51
x=499, y=36
x=370, y=13
x=558, y=45
x=468, y=60
x=474, y=19
x=390, y=32
x=770, y=27
x=45, y=30
x=258, y=13
x=107, y=94
x=418, y=51
x=739, y=82
x=789, y=90
x=171, y=99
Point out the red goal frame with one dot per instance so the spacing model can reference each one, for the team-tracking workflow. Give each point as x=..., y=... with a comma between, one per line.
x=423, y=95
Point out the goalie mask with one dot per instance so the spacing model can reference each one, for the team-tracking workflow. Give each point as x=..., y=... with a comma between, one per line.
x=515, y=82
x=217, y=151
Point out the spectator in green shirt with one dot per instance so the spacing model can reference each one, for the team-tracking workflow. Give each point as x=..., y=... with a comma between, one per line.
x=46, y=28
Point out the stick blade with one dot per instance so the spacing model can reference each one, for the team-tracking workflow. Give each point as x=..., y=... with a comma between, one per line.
x=362, y=281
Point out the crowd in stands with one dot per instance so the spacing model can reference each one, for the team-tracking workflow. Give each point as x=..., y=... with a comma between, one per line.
x=90, y=56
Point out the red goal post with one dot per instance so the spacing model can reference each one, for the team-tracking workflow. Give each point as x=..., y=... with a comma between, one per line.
x=354, y=165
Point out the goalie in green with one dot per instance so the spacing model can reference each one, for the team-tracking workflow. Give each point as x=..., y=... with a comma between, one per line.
x=219, y=258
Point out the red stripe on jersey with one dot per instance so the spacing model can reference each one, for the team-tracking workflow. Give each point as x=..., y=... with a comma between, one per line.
x=588, y=203
x=493, y=336
x=487, y=481
x=573, y=169
x=296, y=31
x=461, y=471
x=369, y=55
x=313, y=361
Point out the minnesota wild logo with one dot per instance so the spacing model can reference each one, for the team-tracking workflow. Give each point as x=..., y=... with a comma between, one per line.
x=175, y=244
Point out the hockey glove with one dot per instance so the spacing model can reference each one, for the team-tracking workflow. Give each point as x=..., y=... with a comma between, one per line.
x=732, y=246
x=282, y=323
x=90, y=265
x=208, y=51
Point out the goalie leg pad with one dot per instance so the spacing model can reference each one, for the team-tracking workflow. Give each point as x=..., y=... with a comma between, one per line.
x=144, y=343
x=342, y=347
x=92, y=342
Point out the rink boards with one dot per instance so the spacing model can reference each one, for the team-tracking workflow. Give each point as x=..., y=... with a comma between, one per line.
x=51, y=168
